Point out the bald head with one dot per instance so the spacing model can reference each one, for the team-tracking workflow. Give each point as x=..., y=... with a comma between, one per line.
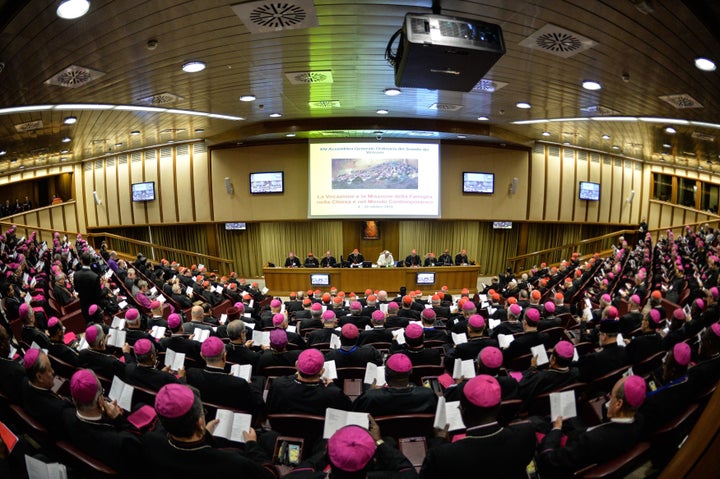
x=196, y=313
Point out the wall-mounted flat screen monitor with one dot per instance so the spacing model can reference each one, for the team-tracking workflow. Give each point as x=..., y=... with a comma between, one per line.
x=425, y=278
x=589, y=191
x=235, y=226
x=502, y=225
x=143, y=191
x=320, y=279
x=477, y=182
x=267, y=182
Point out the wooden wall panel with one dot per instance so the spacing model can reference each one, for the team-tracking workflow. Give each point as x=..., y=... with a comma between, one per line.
x=111, y=198
x=166, y=184
x=123, y=190
x=201, y=185
x=184, y=197
x=150, y=166
x=137, y=175
x=567, y=180
x=538, y=179
x=552, y=184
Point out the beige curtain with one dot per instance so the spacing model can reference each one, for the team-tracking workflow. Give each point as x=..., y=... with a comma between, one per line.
x=278, y=239
x=495, y=246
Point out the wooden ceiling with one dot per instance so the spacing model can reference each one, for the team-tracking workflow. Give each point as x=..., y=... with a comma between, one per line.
x=639, y=50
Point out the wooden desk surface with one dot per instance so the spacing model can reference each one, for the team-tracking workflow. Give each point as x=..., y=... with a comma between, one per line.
x=280, y=281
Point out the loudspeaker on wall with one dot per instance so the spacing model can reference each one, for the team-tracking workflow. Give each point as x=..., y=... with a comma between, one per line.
x=229, y=186
x=96, y=198
x=513, y=186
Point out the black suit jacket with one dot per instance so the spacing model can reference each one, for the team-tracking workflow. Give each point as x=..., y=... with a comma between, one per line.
x=87, y=286
x=218, y=387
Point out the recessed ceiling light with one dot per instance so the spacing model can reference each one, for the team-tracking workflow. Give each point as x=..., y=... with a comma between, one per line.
x=275, y=115
x=567, y=143
x=3, y=152
x=63, y=159
x=667, y=145
x=392, y=91
x=71, y=9
x=64, y=152
x=70, y=120
x=615, y=147
x=591, y=85
x=290, y=135
x=199, y=130
x=670, y=130
x=523, y=105
x=67, y=139
x=382, y=111
x=546, y=133
x=248, y=98
x=483, y=118
x=21, y=167
x=705, y=64
x=118, y=145
x=193, y=66
x=135, y=132
x=461, y=137
x=605, y=137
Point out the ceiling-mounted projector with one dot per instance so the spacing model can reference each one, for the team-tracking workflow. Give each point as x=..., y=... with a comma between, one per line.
x=438, y=52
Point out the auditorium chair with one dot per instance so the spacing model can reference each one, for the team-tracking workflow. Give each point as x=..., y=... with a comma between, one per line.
x=350, y=379
x=32, y=427
x=508, y=411
x=604, y=384
x=61, y=368
x=618, y=467
x=84, y=464
x=649, y=364
x=411, y=431
x=420, y=373
x=666, y=439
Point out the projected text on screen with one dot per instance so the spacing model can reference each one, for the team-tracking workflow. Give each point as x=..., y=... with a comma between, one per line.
x=374, y=180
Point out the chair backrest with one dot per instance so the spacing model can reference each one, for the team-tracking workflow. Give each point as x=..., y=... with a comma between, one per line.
x=277, y=371
x=519, y=363
x=61, y=368
x=406, y=425
x=90, y=466
x=649, y=364
x=617, y=467
x=604, y=383
x=420, y=372
x=508, y=410
x=306, y=426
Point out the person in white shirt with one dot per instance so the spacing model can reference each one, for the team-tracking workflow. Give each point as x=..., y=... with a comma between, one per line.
x=386, y=259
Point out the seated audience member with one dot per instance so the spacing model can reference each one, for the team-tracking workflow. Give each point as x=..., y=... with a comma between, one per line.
x=218, y=387
x=648, y=342
x=489, y=362
x=181, y=297
x=559, y=373
x=278, y=353
x=187, y=449
x=280, y=321
x=98, y=428
x=134, y=328
x=196, y=321
x=31, y=330
x=38, y=398
x=180, y=342
x=238, y=349
x=143, y=373
x=98, y=358
x=609, y=358
x=431, y=328
x=63, y=295
x=512, y=325
x=415, y=349
x=549, y=319
x=306, y=392
x=12, y=373
x=530, y=337
x=596, y=444
x=706, y=372
x=502, y=452
x=325, y=334
x=399, y=396
x=476, y=341
x=58, y=348
x=392, y=320
x=355, y=317
x=633, y=319
x=378, y=333
x=670, y=393
x=350, y=353
x=354, y=452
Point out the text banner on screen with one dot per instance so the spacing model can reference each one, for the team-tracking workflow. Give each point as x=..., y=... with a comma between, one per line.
x=374, y=180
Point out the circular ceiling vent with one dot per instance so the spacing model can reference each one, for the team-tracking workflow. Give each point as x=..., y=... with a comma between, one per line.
x=278, y=15
x=558, y=42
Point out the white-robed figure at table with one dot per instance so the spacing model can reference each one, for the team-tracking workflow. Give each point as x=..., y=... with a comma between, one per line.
x=386, y=259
